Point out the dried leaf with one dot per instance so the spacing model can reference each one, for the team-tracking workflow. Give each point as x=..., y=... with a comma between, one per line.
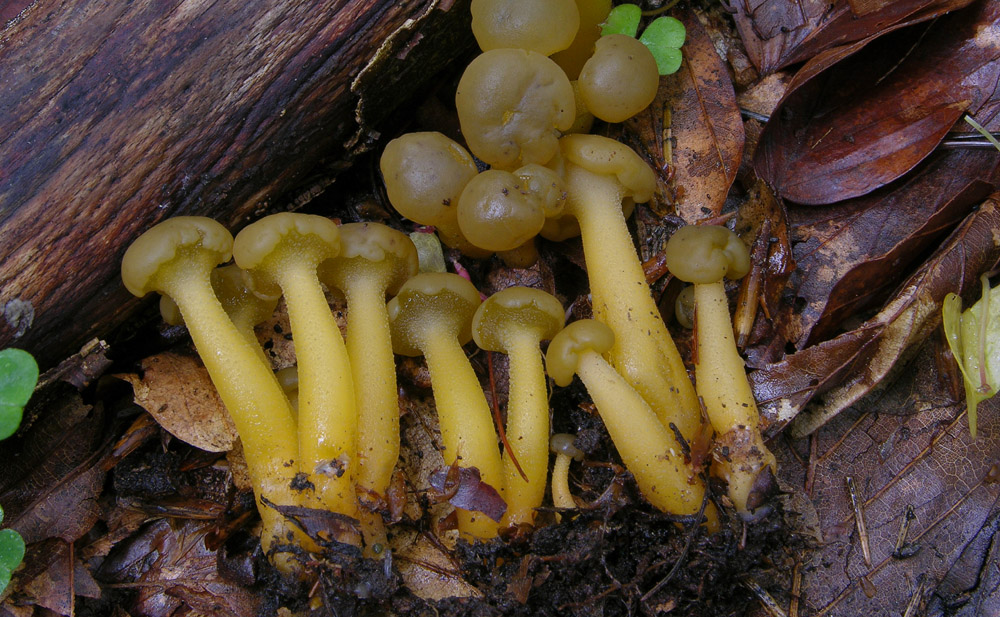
x=777, y=33
x=847, y=367
x=697, y=108
x=464, y=488
x=867, y=120
x=850, y=255
x=177, y=391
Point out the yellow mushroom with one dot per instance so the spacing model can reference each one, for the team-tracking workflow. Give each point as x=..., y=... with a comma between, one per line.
x=374, y=260
x=432, y=316
x=176, y=258
x=283, y=251
x=703, y=255
x=648, y=449
x=514, y=321
x=600, y=174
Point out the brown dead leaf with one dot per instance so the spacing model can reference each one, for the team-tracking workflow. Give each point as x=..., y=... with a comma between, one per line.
x=778, y=33
x=695, y=109
x=849, y=366
x=177, y=391
x=846, y=130
x=463, y=488
x=851, y=254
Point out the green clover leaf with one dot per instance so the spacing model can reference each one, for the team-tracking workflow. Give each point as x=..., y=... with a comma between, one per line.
x=664, y=37
x=623, y=19
x=18, y=376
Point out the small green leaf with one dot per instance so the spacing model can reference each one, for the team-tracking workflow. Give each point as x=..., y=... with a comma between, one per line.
x=4, y=578
x=974, y=339
x=18, y=376
x=664, y=38
x=623, y=19
x=11, y=549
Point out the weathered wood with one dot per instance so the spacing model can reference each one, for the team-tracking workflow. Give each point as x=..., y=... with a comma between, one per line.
x=115, y=115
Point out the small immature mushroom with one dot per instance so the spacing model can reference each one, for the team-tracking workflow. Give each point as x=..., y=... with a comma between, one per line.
x=648, y=449
x=620, y=79
x=283, y=251
x=703, y=255
x=562, y=445
x=512, y=106
x=600, y=174
x=424, y=174
x=432, y=316
x=514, y=321
x=374, y=260
x=545, y=27
x=177, y=258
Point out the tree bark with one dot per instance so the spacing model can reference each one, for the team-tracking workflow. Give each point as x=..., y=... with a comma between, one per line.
x=116, y=115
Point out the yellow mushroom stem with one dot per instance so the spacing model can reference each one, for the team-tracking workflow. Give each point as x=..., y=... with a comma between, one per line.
x=566, y=452
x=286, y=249
x=703, y=255
x=176, y=258
x=600, y=173
x=647, y=448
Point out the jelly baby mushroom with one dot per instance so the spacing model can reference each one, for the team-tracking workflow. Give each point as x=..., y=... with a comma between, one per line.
x=703, y=255
x=374, y=260
x=600, y=174
x=176, y=258
x=512, y=105
x=283, y=251
x=649, y=450
x=432, y=316
x=514, y=321
x=424, y=175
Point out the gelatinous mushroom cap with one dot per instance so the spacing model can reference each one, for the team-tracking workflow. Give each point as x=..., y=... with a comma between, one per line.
x=174, y=238
x=371, y=249
x=424, y=174
x=706, y=253
x=620, y=79
x=513, y=310
x=545, y=185
x=563, y=355
x=601, y=155
x=431, y=304
x=545, y=27
x=262, y=246
x=512, y=106
x=497, y=213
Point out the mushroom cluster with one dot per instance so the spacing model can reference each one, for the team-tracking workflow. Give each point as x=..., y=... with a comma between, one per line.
x=326, y=436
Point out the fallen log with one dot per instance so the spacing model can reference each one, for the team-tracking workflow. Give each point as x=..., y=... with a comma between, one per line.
x=116, y=115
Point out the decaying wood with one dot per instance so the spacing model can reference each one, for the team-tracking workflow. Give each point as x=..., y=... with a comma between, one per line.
x=116, y=115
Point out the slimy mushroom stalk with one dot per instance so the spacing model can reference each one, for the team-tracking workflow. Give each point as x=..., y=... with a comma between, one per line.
x=514, y=321
x=600, y=174
x=703, y=255
x=648, y=449
x=284, y=251
x=561, y=444
x=176, y=258
x=374, y=260
x=432, y=316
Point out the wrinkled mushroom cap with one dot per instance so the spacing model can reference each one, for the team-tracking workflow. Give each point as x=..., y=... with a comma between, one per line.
x=261, y=247
x=371, y=249
x=563, y=355
x=604, y=156
x=424, y=174
x=545, y=27
x=512, y=105
x=496, y=212
x=170, y=240
x=516, y=309
x=431, y=304
x=620, y=79
x=706, y=253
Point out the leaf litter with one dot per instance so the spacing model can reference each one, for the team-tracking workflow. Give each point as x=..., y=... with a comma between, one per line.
x=843, y=342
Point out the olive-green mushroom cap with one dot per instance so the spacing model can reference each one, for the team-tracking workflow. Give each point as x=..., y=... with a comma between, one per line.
x=371, y=249
x=706, y=253
x=424, y=174
x=563, y=356
x=497, y=213
x=620, y=79
x=170, y=240
x=431, y=304
x=601, y=155
x=545, y=27
x=515, y=310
